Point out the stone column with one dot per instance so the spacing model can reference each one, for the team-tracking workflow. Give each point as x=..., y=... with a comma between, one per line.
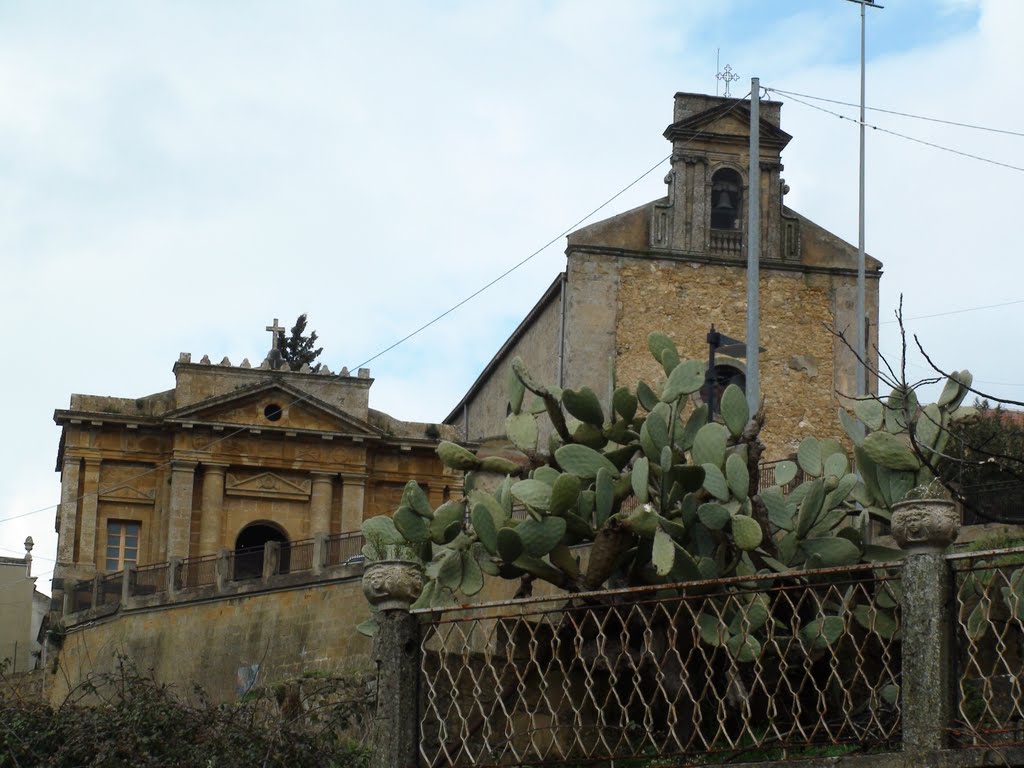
x=90, y=503
x=180, y=514
x=68, y=510
x=213, y=506
x=352, y=502
x=925, y=529
x=394, y=733
x=320, y=502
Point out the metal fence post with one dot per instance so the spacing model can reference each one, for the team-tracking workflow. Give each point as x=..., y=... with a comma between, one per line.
x=392, y=587
x=925, y=529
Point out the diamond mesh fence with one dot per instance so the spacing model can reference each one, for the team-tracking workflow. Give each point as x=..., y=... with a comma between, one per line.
x=989, y=623
x=770, y=665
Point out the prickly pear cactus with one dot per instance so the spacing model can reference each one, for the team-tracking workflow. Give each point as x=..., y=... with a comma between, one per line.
x=661, y=494
x=885, y=433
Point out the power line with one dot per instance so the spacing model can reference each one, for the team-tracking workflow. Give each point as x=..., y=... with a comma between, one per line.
x=503, y=275
x=901, y=114
x=909, y=138
x=956, y=311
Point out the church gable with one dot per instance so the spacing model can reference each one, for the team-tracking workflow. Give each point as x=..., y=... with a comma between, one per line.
x=726, y=122
x=272, y=406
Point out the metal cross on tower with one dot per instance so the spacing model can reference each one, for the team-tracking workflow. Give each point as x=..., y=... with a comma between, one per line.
x=727, y=76
x=275, y=330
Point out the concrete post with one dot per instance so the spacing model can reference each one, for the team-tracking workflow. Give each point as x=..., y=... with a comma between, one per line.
x=925, y=529
x=68, y=510
x=173, y=576
x=394, y=736
x=128, y=577
x=97, y=582
x=319, y=553
x=223, y=573
x=271, y=559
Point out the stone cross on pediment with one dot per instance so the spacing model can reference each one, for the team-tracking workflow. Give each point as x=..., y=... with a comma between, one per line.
x=275, y=331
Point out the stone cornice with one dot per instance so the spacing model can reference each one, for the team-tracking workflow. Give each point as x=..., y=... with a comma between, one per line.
x=693, y=257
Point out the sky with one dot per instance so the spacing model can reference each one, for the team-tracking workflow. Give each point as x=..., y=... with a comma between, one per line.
x=175, y=175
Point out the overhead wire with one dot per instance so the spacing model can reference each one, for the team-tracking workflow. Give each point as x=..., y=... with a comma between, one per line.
x=205, y=449
x=795, y=94
x=908, y=138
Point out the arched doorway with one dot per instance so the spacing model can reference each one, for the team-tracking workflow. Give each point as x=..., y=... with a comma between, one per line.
x=248, y=560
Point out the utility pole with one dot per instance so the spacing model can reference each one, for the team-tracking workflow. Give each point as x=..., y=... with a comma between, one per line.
x=754, y=250
x=861, y=388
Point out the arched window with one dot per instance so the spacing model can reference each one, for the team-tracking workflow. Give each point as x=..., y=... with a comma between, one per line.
x=726, y=199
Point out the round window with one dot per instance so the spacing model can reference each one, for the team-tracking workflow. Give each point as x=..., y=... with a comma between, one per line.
x=272, y=412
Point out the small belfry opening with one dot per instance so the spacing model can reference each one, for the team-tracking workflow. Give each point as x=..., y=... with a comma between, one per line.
x=726, y=199
x=250, y=549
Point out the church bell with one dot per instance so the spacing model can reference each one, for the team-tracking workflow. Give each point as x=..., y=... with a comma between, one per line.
x=724, y=205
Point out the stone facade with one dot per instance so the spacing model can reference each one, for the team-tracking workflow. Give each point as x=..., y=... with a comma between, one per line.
x=229, y=457
x=675, y=265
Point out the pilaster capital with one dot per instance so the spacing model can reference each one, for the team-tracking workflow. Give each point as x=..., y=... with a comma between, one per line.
x=215, y=467
x=183, y=465
x=321, y=476
x=92, y=462
x=689, y=159
x=772, y=165
x=350, y=478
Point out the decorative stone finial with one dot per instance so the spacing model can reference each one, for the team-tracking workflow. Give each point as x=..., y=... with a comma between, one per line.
x=29, y=543
x=324, y=371
x=226, y=361
x=245, y=363
x=205, y=360
x=344, y=372
x=925, y=525
x=392, y=584
x=305, y=368
x=364, y=373
x=184, y=357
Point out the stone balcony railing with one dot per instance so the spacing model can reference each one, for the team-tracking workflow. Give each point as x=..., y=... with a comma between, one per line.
x=726, y=241
x=227, y=573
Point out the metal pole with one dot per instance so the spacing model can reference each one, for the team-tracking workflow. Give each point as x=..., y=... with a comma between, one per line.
x=861, y=388
x=754, y=250
x=861, y=341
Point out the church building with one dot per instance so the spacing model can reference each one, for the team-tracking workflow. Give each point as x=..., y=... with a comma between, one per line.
x=678, y=265
x=232, y=457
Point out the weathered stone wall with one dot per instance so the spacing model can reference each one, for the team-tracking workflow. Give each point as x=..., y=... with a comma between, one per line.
x=539, y=347
x=591, y=314
x=798, y=368
x=225, y=645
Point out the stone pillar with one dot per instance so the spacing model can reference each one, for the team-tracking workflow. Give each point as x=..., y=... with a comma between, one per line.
x=320, y=502
x=213, y=506
x=352, y=502
x=90, y=503
x=180, y=517
x=223, y=569
x=925, y=529
x=394, y=734
x=68, y=510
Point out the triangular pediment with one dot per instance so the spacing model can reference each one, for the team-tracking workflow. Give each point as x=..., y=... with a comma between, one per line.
x=726, y=121
x=267, y=485
x=126, y=494
x=255, y=407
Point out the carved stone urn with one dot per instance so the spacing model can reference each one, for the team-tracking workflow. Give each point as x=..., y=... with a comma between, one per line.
x=925, y=525
x=392, y=584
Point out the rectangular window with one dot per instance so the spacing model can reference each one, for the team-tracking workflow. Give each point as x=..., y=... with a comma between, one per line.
x=122, y=544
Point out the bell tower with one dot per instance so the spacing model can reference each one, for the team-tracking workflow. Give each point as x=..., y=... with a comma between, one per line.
x=708, y=185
